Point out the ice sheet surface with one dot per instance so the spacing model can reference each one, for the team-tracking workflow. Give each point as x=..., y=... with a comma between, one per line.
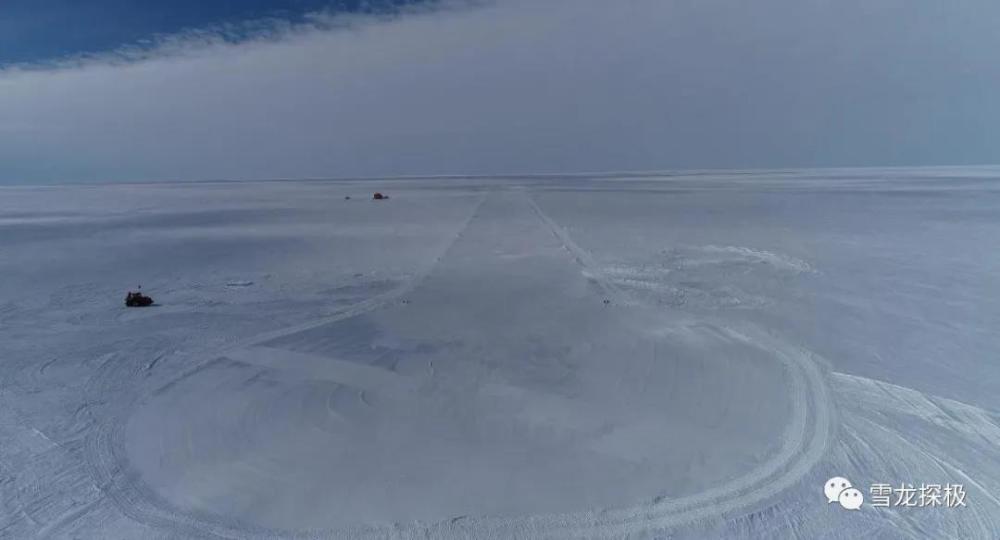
x=681, y=356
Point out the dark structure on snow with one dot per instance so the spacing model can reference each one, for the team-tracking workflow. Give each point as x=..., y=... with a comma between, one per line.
x=137, y=299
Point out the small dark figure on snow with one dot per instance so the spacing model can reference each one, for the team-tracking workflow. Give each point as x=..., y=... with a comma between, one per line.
x=137, y=299
x=379, y=197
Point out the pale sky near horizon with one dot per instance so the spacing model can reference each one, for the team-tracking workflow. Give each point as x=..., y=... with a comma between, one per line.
x=519, y=86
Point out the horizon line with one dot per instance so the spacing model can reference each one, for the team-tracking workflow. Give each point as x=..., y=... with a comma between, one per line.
x=608, y=174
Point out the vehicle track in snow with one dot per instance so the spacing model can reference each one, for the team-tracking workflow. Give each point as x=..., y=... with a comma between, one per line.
x=804, y=442
x=105, y=455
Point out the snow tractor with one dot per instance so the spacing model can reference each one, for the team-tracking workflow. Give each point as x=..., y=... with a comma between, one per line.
x=137, y=299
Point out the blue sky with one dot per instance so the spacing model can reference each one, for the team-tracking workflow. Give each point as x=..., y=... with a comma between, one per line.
x=493, y=86
x=34, y=31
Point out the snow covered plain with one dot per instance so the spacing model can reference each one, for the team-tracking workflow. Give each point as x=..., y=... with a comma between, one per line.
x=676, y=356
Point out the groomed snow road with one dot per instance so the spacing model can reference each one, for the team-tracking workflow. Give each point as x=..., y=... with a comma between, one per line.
x=620, y=357
x=505, y=393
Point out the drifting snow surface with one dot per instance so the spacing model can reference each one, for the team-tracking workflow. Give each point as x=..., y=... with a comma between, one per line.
x=608, y=356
